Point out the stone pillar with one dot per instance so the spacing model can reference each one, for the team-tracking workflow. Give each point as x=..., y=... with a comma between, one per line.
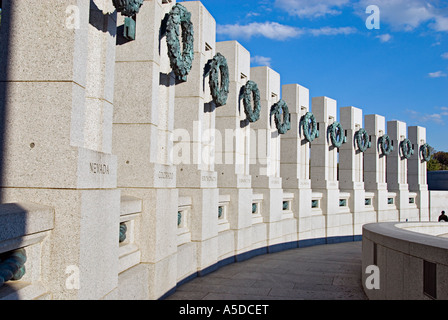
x=324, y=171
x=265, y=154
x=143, y=122
x=57, y=106
x=194, y=145
x=417, y=175
x=375, y=169
x=233, y=152
x=397, y=181
x=295, y=159
x=351, y=168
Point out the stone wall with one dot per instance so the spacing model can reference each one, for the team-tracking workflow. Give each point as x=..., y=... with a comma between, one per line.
x=438, y=201
x=408, y=260
x=122, y=176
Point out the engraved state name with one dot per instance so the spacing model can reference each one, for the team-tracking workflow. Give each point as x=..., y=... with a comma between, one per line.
x=99, y=168
x=208, y=178
x=165, y=175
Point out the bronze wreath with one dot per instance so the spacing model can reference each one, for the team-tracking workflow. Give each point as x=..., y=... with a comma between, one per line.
x=181, y=61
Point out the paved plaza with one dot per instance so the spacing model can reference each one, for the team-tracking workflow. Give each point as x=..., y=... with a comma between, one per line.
x=326, y=272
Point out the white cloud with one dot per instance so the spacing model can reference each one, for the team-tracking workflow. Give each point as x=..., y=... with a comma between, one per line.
x=270, y=30
x=444, y=55
x=401, y=15
x=311, y=9
x=406, y=15
x=426, y=117
x=436, y=117
x=328, y=31
x=440, y=24
x=277, y=31
x=385, y=37
x=261, y=61
x=437, y=74
x=252, y=14
x=444, y=111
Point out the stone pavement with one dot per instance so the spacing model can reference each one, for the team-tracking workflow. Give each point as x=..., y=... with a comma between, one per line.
x=326, y=272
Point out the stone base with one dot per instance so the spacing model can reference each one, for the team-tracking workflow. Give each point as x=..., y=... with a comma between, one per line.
x=85, y=232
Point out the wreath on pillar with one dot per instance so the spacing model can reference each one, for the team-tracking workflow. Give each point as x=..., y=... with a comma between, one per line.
x=12, y=265
x=180, y=61
x=386, y=145
x=219, y=66
x=309, y=127
x=406, y=148
x=123, y=230
x=337, y=135
x=251, y=91
x=280, y=110
x=128, y=8
x=362, y=140
x=425, y=151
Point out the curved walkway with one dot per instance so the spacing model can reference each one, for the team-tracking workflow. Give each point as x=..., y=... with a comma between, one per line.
x=326, y=272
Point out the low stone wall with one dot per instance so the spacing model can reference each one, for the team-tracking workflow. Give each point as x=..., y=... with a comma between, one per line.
x=410, y=259
x=438, y=201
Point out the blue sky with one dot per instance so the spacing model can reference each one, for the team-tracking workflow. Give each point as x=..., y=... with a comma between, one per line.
x=399, y=71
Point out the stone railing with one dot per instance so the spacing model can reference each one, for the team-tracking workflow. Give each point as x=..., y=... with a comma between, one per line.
x=257, y=208
x=410, y=259
x=129, y=253
x=183, y=221
x=223, y=208
x=24, y=228
x=288, y=205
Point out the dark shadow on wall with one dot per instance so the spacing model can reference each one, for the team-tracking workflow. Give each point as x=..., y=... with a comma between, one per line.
x=95, y=19
x=19, y=226
x=4, y=68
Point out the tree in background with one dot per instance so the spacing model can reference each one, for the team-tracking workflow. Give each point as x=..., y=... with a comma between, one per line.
x=438, y=161
x=442, y=158
x=433, y=165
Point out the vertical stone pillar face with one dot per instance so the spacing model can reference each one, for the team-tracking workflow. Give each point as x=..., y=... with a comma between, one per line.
x=396, y=163
x=295, y=149
x=295, y=158
x=417, y=171
x=61, y=76
x=324, y=172
x=375, y=168
x=98, y=113
x=374, y=160
x=351, y=164
x=194, y=111
x=265, y=153
x=143, y=125
x=265, y=150
x=233, y=144
x=351, y=168
x=233, y=132
x=194, y=144
x=144, y=100
x=397, y=169
x=57, y=105
x=324, y=156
